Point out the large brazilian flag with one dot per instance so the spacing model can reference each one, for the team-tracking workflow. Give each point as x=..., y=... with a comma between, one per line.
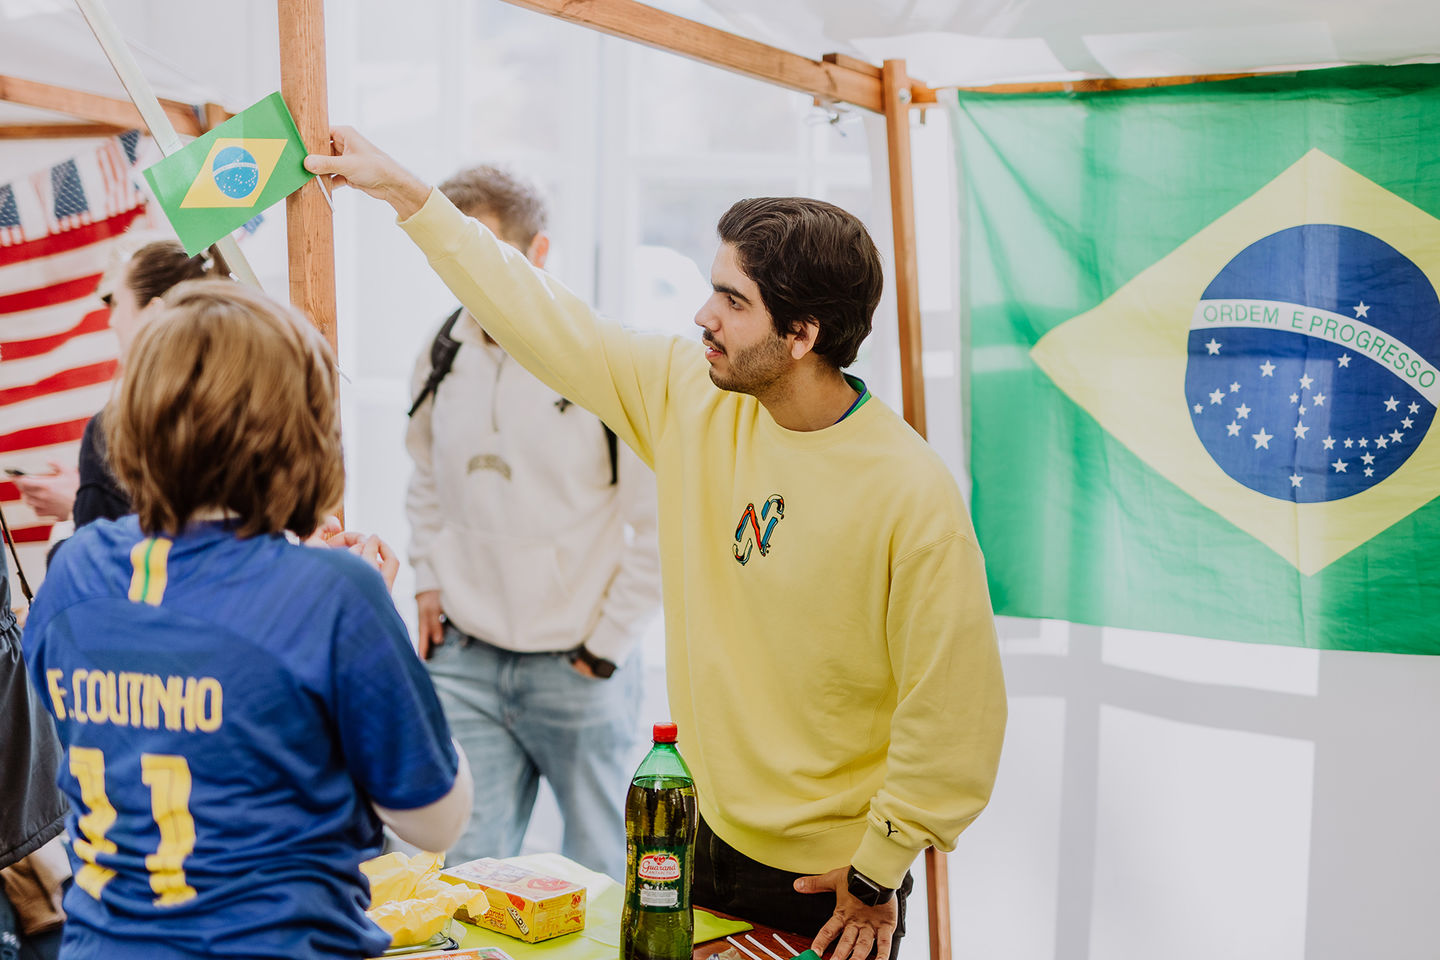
x=1203, y=340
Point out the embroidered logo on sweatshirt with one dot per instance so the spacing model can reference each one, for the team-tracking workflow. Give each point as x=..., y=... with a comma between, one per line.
x=755, y=529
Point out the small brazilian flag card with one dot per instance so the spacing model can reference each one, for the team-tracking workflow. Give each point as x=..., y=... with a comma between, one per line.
x=223, y=179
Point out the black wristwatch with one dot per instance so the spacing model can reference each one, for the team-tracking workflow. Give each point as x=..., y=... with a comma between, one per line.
x=867, y=891
x=599, y=666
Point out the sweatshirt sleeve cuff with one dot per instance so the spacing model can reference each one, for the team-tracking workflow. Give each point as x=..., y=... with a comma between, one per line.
x=436, y=226
x=882, y=860
x=425, y=578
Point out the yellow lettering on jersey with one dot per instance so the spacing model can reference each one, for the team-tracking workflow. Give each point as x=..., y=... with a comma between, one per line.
x=96, y=703
x=171, y=694
x=77, y=687
x=57, y=692
x=168, y=778
x=87, y=766
x=137, y=699
x=148, y=563
x=209, y=702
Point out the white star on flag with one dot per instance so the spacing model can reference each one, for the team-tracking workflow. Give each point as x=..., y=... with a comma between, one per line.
x=1302, y=409
x=1369, y=471
x=1295, y=480
x=1368, y=458
x=1396, y=436
x=1329, y=443
x=1414, y=408
x=1339, y=466
x=1344, y=361
x=1407, y=423
x=1267, y=368
x=1294, y=397
x=1233, y=428
x=1391, y=404
x=1364, y=442
x=1262, y=439
x=1217, y=396
x=1305, y=381
x=1234, y=388
x=1381, y=442
x=1213, y=346
x=1198, y=408
x=1348, y=442
x=1300, y=431
x=1318, y=399
x=1361, y=309
x=1242, y=411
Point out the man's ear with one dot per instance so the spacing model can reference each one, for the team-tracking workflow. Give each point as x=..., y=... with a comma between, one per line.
x=802, y=341
x=539, y=249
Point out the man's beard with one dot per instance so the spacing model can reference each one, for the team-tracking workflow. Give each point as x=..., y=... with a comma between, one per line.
x=756, y=368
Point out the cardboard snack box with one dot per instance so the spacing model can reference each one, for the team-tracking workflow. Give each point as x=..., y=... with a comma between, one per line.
x=523, y=904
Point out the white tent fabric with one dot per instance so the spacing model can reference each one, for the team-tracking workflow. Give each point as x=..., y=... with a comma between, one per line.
x=977, y=42
x=49, y=42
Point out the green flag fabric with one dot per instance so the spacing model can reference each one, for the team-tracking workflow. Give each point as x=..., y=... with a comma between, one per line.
x=224, y=178
x=1203, y=336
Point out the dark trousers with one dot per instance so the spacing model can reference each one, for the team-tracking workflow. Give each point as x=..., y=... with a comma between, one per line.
x=728, y=881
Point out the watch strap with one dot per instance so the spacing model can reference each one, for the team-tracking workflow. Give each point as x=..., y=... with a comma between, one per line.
x=865, y=890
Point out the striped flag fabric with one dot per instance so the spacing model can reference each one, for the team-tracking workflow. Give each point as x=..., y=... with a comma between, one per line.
x=57, y=353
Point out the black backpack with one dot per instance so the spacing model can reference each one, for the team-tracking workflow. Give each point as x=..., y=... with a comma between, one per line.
x=442, y=358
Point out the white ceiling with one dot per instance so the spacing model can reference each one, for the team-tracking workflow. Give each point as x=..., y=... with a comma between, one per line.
x=972, y=42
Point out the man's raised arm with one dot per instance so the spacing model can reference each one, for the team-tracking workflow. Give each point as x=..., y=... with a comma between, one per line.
x=620, y=376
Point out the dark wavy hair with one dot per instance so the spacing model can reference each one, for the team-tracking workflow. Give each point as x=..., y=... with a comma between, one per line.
x=812, y=262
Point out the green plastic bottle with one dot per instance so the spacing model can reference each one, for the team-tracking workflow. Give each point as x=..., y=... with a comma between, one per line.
x=661, y=817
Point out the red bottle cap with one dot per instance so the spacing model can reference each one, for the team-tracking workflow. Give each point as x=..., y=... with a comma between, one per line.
x=666, y=732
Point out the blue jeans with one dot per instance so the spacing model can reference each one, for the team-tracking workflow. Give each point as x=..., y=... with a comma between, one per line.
x=521, y=716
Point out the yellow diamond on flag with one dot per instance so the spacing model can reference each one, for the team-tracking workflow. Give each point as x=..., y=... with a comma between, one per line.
x=1126, y=363
x=234, y=173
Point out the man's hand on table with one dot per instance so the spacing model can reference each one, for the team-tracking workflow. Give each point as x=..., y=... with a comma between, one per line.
x=359, y=163
x=855, y=928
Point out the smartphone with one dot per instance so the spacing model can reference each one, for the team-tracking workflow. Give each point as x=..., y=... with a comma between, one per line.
x=12, y=471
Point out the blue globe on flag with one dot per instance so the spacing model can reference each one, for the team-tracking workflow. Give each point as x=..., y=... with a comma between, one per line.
x=1311, y=368
x=236, y=172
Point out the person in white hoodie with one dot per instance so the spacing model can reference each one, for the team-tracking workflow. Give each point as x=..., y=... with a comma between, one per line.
x=533, y=538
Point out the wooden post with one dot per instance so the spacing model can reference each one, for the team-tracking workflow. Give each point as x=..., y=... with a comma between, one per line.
x=308, y=219
x=937, y=902
x=896, y=98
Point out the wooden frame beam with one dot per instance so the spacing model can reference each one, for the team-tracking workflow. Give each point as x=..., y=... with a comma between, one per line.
x=94, y=107
x=1104, y=84
x=896, y=86
x=841, y=79
x=309, y=220
x=58, y=131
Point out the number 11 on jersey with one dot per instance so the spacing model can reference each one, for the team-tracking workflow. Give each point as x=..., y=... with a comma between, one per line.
x=168, y=778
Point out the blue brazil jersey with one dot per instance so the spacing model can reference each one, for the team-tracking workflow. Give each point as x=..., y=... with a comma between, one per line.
x=230, y=708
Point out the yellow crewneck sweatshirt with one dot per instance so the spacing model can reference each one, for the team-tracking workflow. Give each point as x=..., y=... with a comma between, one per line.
x=830, y=647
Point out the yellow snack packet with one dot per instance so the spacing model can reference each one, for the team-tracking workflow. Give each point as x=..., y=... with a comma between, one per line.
x=409, y=921
x=409, y=901
x=395, y=875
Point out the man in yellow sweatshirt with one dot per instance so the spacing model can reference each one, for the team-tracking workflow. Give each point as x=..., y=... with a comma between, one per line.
x=830, y=645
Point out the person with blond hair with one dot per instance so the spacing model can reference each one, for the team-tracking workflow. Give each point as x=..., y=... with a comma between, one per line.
x=240, y=711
